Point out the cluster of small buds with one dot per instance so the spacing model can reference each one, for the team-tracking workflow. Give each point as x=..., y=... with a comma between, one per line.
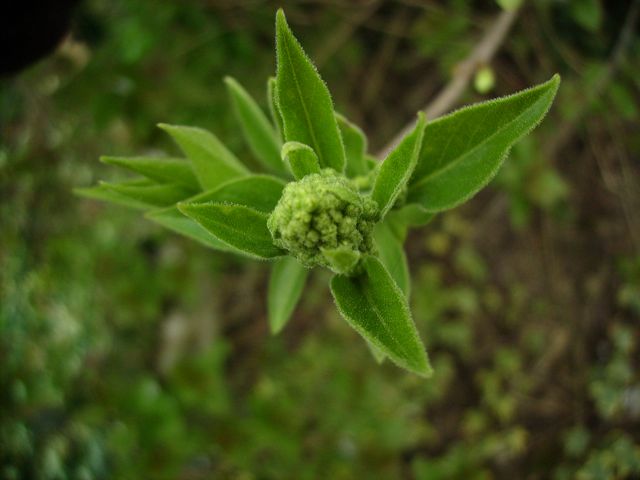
x=321, y=214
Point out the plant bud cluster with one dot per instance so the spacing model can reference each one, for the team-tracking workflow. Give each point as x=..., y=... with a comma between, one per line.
x=320, y=213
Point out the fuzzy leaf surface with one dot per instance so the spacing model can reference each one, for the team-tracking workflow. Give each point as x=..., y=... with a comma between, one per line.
x=274, y=110
x=213, y=163
x=159, y=169
x=355, y=146
x=174, y=220
x=377, y=309
x=285, y=288
x=396, y=170
x=259, y=192
x=243, y=228
x=392, y=256
x=465, y=149
x=262, y=138
x=304, y=100
x=300, y=158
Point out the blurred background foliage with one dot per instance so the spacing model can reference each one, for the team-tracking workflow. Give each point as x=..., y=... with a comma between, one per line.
x=128, y=352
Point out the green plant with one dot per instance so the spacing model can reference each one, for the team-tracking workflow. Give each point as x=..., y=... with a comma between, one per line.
x=325, y=201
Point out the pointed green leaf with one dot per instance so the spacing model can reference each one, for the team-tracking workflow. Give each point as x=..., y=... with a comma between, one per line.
x=213, y=163
x=159, y=169
x=300, y=158
x=392, y=256
x=258, y=131
x=465, y=149
x=304, y=100
x=355, y=146
x=152, y=194
x=176, y=221
x=276, y=116
x=101, y=192
x=285, y=288
x=396, y=169
x=240, y=227
x=376, y=308
x=260, y=192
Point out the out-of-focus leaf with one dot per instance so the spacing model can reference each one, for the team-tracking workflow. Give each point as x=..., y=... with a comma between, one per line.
x=158, y=195
x=159, y=169
x=355, y=146
x=258, y=131
x=285, y=287
x=213, y=163
x=276, y=116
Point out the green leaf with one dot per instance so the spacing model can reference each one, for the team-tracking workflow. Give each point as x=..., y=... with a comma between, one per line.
x=259, y=192
x=465, y=149
x=260, y=134
x=176, y=221
x=342, y=259
x=413, y=215
x=159, y=169
x=410, y=215
x=285, y=288
x=101, y=192
x=300, y=158
x=355, y=145
x=395, y=171
x=149, y=193
x=238, y=226
x=392, y=256
x=276, y=116
x=376, y=308
x=213, y=163
x=304, y=100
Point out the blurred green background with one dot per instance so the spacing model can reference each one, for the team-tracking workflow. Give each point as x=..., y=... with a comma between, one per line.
x=129, y=352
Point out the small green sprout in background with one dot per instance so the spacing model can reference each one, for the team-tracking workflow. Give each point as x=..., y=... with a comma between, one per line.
x=322, y=201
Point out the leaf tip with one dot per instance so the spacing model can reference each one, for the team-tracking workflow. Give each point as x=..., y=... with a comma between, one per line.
x=229, y=81
x=166, y=127
x=184, y=207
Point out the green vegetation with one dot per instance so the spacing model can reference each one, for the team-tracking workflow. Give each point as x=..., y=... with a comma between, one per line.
x=325, y=218
x=128, y=351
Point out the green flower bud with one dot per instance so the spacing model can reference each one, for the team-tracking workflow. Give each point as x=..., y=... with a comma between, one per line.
x=323, y=220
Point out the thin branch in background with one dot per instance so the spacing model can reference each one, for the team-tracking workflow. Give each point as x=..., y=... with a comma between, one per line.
x=463, y=73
